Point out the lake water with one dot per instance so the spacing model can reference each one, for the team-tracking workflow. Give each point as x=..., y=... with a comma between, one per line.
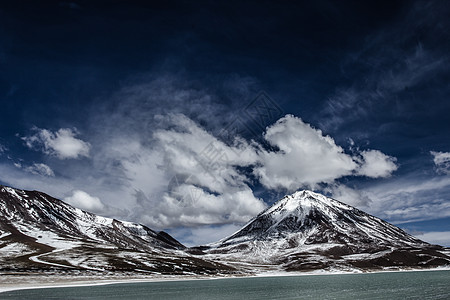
x=399, y=285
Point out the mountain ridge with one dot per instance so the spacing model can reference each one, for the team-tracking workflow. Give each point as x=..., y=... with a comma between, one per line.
x=39, y=232
x=301, y=232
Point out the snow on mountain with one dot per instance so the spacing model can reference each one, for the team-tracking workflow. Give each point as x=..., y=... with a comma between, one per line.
x=306, y=230
x=38, y=232
x=48, y=219
x=301, y=232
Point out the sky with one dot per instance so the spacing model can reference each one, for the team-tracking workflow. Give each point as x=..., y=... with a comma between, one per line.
x=194, y=117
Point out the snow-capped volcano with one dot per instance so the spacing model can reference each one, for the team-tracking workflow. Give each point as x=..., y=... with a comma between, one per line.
x=307, y=230
x=311, y=218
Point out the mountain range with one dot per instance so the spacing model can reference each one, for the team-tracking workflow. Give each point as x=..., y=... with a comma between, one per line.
x=304, y=231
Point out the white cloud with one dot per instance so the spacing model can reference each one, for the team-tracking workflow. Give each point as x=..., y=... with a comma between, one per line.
x=62, y=143
x=306, y=158
x=130, y=168
x=376, y=164
x=157, y=143
x=216, y=191
x=85, y=201
x=139, y=166
x=178, y=148
x=2, y=149
x=441, y=161
x=436, y=237
x=134, y=163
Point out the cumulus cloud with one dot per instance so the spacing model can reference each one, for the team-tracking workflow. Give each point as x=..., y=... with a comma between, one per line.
x=376, y=164
x=210, y=186
x=83, y=200
x=184, y=150
x=2, y=149
x=441, y=161
x=306, y=157
x=62, y=143
x=188, y=177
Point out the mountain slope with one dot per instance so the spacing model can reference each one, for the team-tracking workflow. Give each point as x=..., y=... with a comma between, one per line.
x=38, y=232
x=307, y=231
x=301, y=232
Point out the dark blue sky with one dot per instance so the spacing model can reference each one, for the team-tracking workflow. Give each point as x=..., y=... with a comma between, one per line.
x=124, y=80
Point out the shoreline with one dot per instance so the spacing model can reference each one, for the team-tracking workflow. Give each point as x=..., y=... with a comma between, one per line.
x=65, y=281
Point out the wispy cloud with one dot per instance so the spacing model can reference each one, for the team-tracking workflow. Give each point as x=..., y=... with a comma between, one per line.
x=436, y=237
x=410, y=199
x=36, y=169
x=441, y=161
x=355, y=103
x=391, y=64
x=40, y=169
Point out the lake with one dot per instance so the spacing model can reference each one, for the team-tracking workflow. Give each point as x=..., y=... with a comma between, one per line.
x=392, y=285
